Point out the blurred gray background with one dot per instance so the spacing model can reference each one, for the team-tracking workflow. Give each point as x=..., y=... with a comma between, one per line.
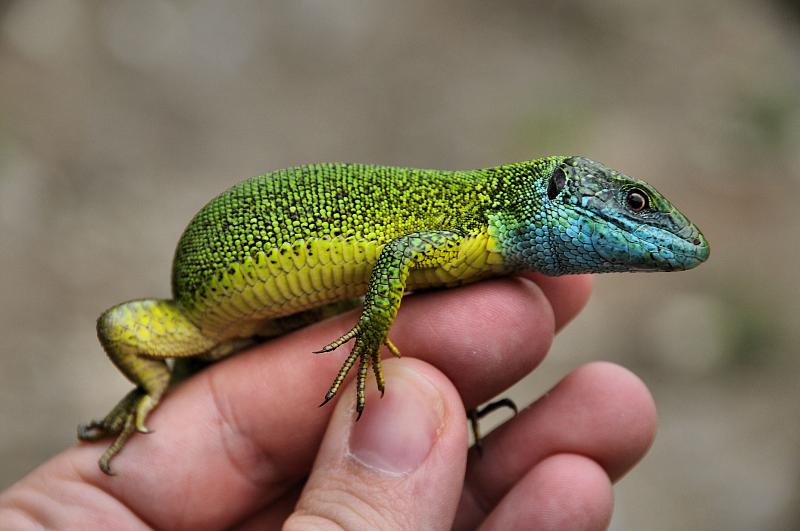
x=121, y=118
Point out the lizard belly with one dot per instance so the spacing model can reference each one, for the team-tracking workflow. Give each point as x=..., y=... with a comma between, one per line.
x=238, y=301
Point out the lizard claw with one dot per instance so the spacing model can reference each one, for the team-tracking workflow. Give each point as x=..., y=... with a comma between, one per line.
x=366, y=350
x=328, y=397
x=333, y=345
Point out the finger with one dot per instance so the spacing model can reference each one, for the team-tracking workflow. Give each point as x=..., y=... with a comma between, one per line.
x=565, y=491
x=273, y=515
x=483, y=342
x=245, y=431
x=600, y=410
x=372, y=474
x=567, y=294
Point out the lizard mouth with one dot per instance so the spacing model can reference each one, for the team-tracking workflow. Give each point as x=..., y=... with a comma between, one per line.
x=656, y=249
x=643, y=247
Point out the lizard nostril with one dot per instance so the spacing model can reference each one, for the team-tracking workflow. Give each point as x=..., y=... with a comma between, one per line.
x=696, y=241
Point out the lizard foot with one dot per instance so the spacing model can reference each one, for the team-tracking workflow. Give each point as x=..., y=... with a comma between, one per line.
x=127, y=417
x=475, y=415
x=367, y=350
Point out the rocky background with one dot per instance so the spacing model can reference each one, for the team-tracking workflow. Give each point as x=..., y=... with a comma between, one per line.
x=119, y=119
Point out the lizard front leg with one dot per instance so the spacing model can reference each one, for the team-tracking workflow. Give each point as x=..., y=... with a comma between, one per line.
x=385, y=290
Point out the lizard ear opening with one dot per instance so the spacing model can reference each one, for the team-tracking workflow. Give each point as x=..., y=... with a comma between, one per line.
x=557, y=182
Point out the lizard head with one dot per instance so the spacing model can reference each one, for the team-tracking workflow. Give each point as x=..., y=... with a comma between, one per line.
x=593, y=219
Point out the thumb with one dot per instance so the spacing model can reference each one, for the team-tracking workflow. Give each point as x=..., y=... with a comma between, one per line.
x=401, y=466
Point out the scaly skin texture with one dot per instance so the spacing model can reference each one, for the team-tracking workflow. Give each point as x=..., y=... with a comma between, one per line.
x=284, y=249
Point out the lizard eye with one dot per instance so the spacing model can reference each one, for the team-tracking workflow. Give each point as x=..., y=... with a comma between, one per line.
x=556, y=184
x=636, y=200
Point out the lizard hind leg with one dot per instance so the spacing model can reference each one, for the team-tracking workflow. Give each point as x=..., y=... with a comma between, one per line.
x=138, y=337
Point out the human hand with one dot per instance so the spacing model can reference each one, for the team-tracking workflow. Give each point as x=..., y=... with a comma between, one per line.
x=243, y=445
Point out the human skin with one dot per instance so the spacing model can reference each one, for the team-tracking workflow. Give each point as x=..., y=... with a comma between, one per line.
x=243, y=445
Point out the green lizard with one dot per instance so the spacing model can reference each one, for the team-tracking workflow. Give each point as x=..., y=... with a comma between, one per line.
x=287, y=248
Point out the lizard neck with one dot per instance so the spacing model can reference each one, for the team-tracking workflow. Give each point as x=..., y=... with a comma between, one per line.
x=518, y=217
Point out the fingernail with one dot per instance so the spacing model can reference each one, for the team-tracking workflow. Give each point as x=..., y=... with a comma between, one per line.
x=396, y=432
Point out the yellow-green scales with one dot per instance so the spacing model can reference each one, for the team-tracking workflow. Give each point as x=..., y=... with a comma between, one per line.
x=288, y=241
x=283, y=249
